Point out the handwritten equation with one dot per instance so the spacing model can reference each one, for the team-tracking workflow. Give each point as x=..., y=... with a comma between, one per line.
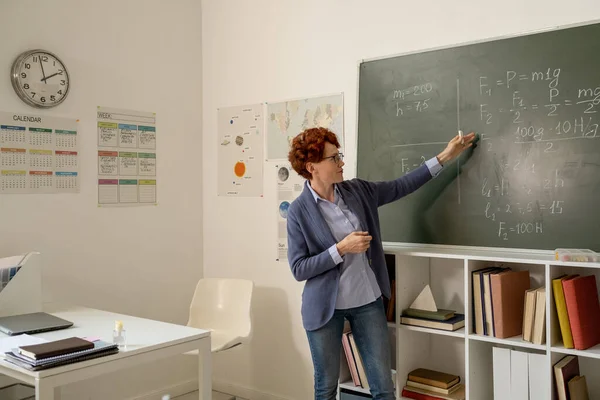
x=526, y=116
x=537, y=121
x=416, y=98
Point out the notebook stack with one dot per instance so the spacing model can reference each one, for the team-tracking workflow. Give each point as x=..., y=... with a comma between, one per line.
x=447, y=320
x=423, y=312
x=426, y=384
x=57, y=353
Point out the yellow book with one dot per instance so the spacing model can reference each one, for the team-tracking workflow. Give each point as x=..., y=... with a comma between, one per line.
x=561, y=309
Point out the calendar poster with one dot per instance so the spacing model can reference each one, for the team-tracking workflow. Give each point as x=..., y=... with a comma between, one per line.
x=126, y=157
x=38, y=154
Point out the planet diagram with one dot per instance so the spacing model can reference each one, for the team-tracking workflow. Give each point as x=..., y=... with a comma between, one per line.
x=239, y=169
x=283, y=174
x=283, y=209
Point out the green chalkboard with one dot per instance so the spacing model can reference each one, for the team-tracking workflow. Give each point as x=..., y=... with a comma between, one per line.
x=532, y=182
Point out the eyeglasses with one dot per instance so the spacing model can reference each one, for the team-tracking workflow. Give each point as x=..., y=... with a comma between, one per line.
x=336, y=157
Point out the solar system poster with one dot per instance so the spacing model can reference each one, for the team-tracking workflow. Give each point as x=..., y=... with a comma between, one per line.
x=240, y=151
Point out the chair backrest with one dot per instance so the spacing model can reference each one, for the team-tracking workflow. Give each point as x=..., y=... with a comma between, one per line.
x=222, y=303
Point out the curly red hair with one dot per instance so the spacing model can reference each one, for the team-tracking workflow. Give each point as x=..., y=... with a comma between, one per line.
x=309, y=146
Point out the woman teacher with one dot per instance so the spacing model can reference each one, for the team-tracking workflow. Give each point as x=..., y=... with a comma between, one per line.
x=334, y=244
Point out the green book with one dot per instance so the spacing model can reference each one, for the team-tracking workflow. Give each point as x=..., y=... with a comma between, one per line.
x=439, y=315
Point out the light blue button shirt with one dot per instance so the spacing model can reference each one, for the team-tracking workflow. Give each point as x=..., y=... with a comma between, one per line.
x=358, y=285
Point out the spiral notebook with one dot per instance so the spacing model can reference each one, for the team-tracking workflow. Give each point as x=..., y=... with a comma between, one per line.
x=99, y=346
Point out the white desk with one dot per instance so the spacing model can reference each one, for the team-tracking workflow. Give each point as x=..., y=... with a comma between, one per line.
x=147, y=341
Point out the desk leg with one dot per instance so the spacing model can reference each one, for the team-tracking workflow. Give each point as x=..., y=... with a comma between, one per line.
x=205, y=371
x=45, y=391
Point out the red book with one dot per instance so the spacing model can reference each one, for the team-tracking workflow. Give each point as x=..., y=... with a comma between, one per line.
x=418, y=396
x=583, y=308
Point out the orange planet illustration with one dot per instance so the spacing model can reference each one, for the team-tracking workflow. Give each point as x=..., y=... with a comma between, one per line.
x=239, y=169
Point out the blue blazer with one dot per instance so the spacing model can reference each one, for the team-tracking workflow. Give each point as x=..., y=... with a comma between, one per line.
x=309, y=239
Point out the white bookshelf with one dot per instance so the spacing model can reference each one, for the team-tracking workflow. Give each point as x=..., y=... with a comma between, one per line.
x=447, y=270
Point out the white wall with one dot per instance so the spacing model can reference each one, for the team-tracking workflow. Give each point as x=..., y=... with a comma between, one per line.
x=137, y=54
x=272, y=50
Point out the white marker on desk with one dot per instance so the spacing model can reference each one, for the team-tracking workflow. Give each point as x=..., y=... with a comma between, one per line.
x=460, y=133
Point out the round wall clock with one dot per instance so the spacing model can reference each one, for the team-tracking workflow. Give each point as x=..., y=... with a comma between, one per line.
x=40, y=78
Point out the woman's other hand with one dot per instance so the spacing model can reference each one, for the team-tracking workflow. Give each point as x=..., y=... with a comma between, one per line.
x=356, y=242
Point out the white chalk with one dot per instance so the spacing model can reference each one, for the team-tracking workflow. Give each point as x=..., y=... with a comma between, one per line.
x=460, y=133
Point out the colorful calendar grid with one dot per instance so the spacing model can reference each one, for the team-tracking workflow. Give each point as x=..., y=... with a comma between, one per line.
x=41, y=159
x=67, y=182
x=65, y=139
x=41, y=181
x=13, y=158
x=128, y=191
x=147, y=137
x=127, y=157
x=66, y=159
x=13, y=181
x=14, y=135
x=108, y=191
x=108, y=163
x=147, y=190
x=147, y=164
x=40, y=137
x=128, y=163
x=108, y=134
x=128, y=135
x=40, y=146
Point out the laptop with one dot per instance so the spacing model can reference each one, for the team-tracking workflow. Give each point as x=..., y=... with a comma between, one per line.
x=32, y=323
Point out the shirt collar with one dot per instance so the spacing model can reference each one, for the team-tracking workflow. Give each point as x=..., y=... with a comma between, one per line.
x=317, y=197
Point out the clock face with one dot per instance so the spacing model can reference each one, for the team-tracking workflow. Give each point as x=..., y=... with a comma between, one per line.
x=40, y=79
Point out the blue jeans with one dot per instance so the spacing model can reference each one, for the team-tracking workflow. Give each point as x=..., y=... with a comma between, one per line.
x=370, y=331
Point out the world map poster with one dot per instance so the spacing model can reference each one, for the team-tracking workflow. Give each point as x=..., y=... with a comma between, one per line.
x=287, y=119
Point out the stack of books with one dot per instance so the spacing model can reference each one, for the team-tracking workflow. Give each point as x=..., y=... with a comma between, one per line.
x=448, y=320
x=426, y=384
x=578, y=310
x=61, y=352
x=569, y=383
x=423, y=312
x=498, y=299
x=534, y=316
x=355, y=363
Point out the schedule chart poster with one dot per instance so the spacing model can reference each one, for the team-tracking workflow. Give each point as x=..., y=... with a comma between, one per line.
x=126, y=157
x=38, y=154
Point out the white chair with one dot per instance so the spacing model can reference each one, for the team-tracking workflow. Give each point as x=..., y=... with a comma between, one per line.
x=223, y=307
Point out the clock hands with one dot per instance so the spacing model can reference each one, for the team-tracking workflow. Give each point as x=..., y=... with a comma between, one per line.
x=48, y=77
x=42, y=65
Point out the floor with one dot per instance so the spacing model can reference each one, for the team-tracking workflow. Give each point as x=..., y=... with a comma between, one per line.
x=216, y=396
